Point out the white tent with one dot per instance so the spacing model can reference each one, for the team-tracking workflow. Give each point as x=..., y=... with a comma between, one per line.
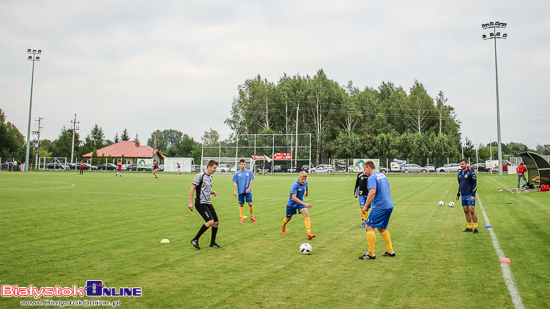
x=171, y=164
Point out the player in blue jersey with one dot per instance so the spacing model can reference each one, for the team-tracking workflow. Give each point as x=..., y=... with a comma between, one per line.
x=467, y=187
x=242, y=182
x=381, y=203
x=298, y=191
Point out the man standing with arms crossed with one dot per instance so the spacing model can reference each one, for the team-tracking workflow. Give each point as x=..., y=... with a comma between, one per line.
x=243, y=181
x=382, y=206
x=202, y=184
x=467, y=187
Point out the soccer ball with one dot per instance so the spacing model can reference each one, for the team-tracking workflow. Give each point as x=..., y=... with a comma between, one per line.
x=305, y=248
x=451, y=204
x=441, y=203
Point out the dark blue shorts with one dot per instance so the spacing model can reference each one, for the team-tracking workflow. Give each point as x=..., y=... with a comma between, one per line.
x=362, y=200
x=245, y=196
x=467, y=200
x=379, y=218
x=292, y=210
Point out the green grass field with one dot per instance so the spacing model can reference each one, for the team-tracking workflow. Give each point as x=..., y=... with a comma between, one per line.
x=63, y=229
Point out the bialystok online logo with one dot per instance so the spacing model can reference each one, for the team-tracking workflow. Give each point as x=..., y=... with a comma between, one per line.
x=93, y=288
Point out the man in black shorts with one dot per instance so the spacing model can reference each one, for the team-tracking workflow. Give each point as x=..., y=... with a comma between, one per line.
x=202, y=184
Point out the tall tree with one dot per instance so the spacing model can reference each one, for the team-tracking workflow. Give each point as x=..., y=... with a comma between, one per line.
x=11, y=140
x=125, y=136
x=97, y=136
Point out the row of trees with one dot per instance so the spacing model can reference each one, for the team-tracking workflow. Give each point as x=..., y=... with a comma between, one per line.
x=347, y=122
x=171, y=143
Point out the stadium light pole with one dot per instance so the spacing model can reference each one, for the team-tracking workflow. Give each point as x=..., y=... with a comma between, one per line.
x=34, y=55
x=494, y=36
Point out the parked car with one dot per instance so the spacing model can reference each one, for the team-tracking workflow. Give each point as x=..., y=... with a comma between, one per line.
x=195, y=168
x=322, y=168
x=107, y=167
x=279, y=169
x=430, y=168
x=89, y=167
x=493, y=164
x=292, y=169
x=223, y=168
x=414, y=168
x=383, y=169
x=479, y=167
x=54, y=166
x=262, y=170
x=305, y=168
x=449, y=168
x=161, y=168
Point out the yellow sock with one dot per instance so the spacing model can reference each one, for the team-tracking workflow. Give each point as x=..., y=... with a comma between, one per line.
x=371, y=239
x=387, y=239
x=251, y=209
x=307, y=221
x=367, y=214
x=475, y=225
x=241, y=210
x=362, y=214
x=285, y=221
x=470, y=225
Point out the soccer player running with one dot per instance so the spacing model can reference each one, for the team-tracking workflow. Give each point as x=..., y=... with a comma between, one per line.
x=361, y=190
x=81, y=168
x=298, y=191
x=467, y=187
x=178, y=171
x=202, y=184
x=382, y=206
x=119, y=169
x=155, y=169
x=243, y=181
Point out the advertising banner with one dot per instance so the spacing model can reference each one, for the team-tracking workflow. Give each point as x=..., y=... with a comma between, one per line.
x=358, y=164
x=283, y=156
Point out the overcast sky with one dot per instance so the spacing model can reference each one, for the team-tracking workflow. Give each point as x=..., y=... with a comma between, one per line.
x=148, y=65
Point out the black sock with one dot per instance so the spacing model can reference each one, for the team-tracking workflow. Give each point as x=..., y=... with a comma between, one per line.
x=214, y=232
x=201, y=231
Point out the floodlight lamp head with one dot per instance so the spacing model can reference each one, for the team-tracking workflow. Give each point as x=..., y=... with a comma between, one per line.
x=28, y=50
x=503, y=25
x=484, y=37
x=37, y=58
x=491, y=23
x=39, y=51
x=498, y=34
x=30, y=58
x=492, y=35
x=505, y=35
x=34, y=50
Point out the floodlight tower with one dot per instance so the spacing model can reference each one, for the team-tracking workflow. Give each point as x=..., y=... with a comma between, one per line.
x=34, y=55
x=494, y=36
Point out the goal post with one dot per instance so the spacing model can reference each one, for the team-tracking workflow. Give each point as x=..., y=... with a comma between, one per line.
x=290, y=151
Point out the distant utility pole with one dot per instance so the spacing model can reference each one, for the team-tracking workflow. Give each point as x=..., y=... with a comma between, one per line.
x=74, y=129
x=37, y=145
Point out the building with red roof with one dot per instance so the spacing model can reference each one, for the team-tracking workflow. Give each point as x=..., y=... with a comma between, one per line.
x=131, y=151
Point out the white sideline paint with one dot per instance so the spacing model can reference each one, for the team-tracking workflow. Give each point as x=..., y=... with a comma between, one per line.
x=506, y=271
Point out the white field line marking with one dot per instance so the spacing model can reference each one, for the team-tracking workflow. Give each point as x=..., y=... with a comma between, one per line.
x=506, y=271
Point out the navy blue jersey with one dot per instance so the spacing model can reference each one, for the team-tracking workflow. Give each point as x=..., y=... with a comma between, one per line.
x=467, y=183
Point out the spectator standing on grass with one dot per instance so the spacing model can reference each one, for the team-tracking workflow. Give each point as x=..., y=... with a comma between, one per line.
x=81, y=168
x=119, y=166
x=9, y=165
x=467, y=188
x=382, y=206
x=155, y=169
x=521, y=171
x=202, y=187
x=242, y=185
